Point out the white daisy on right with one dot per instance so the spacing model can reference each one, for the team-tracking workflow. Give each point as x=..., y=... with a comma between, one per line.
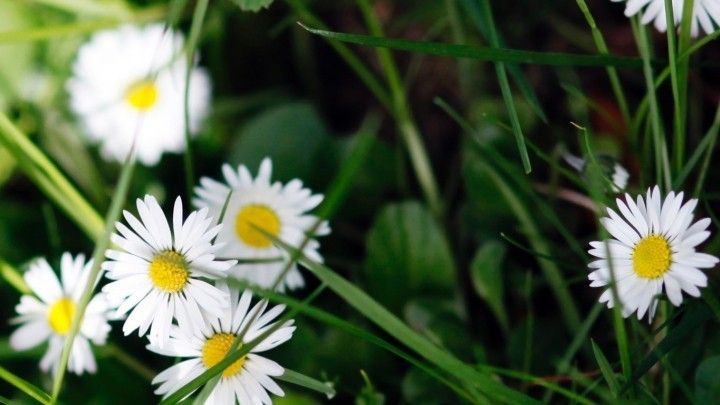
x=706, y=13
x=282, y=210
x=247, y=380
x=652, y=250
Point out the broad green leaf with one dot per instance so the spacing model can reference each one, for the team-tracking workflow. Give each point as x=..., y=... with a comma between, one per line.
x=407, y=254
x=707, y=383
x=253, y=5
x=291, y=134
x=487, y=278
x=606, y=369
x=482, y=53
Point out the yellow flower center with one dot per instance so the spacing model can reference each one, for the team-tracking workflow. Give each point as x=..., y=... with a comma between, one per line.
x=142, y=95
x=169, y=271
x=260, y=216
x=651, y=257
x=61, y=315
x=216, y=348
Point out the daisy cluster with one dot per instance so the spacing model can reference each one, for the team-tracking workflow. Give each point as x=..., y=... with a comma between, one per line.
x=173, y=278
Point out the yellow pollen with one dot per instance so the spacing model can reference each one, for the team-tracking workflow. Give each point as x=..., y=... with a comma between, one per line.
x=651, y=257
x=169, y=271
x=61, y=315
x=142, y=95
x=216, y=348
x=256, y=215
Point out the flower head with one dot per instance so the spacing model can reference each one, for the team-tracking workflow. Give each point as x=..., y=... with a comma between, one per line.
x=158, y=273
x=278, y=209
x=706, y=13
x=652, y=249
x=247, y=380
x=48, y=315
x=128, y=85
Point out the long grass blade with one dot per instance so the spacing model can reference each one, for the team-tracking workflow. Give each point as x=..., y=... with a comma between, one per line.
x=24, y=386
x=293, y=377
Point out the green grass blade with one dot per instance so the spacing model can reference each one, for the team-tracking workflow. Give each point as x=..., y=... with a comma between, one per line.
x=49, y=179
x=388, y=322
x=293, y=377
x=24, y=386
x=679, y=120
x=706, y=146
x=482, y=53
x=101, y=245
x=13, y=277
x=606, y=369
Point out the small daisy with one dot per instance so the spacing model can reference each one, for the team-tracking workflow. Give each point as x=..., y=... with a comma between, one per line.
x=653, y=249
x=706, y=13
x=128, y=85
x=247, y=380
x=158, y=270
x=618, y=175
x=279, y=209
x=50, y=317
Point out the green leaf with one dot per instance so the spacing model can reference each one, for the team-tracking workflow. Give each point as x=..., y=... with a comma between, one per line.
x=606, y=369
x=487, y=278
x=292, y=134
x=707, y=383
x=407, y=254
x=482, y=53
x=253, y=5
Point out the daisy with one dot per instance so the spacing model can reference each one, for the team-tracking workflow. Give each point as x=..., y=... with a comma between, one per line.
x=617, y=173
x=158, y=271
x=48, y=315
x=128, y=85
x=280, y=210
x=247, y=380
x=706, y=13
x=652, y=249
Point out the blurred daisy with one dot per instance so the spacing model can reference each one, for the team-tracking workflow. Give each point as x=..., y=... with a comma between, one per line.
x=50, y=317
x=128, y=84
x=157, y=272
x=280, y=210
x=610, y=167
x=652, y=249
x=706, y=13
x=247, y=380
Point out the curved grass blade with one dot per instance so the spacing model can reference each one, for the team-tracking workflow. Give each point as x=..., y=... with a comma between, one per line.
x=482, y=53
x=24, y=386
x=384, y=319
x=606, y=369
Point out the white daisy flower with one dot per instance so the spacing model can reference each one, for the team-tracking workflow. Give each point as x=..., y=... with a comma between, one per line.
x=158, y=271
x=279, y=209
x=706, y=13
x=50, y=317
x=247, y=380
x=617, y=173
x=128, y=85
x=652, y=249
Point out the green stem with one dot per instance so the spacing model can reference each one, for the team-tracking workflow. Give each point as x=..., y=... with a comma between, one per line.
x=679, y=127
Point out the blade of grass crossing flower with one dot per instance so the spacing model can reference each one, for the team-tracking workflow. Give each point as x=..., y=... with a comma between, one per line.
x=235, y=352
x=505, y=87
x=195, y=31
x=24, y=386
x=334, y=321
x=402, y=113
x=606, y=369
x=49, y=179
x=101, y=245
x=489, y=54
x=384, y=319
x=293, y=377
x=611, y=71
